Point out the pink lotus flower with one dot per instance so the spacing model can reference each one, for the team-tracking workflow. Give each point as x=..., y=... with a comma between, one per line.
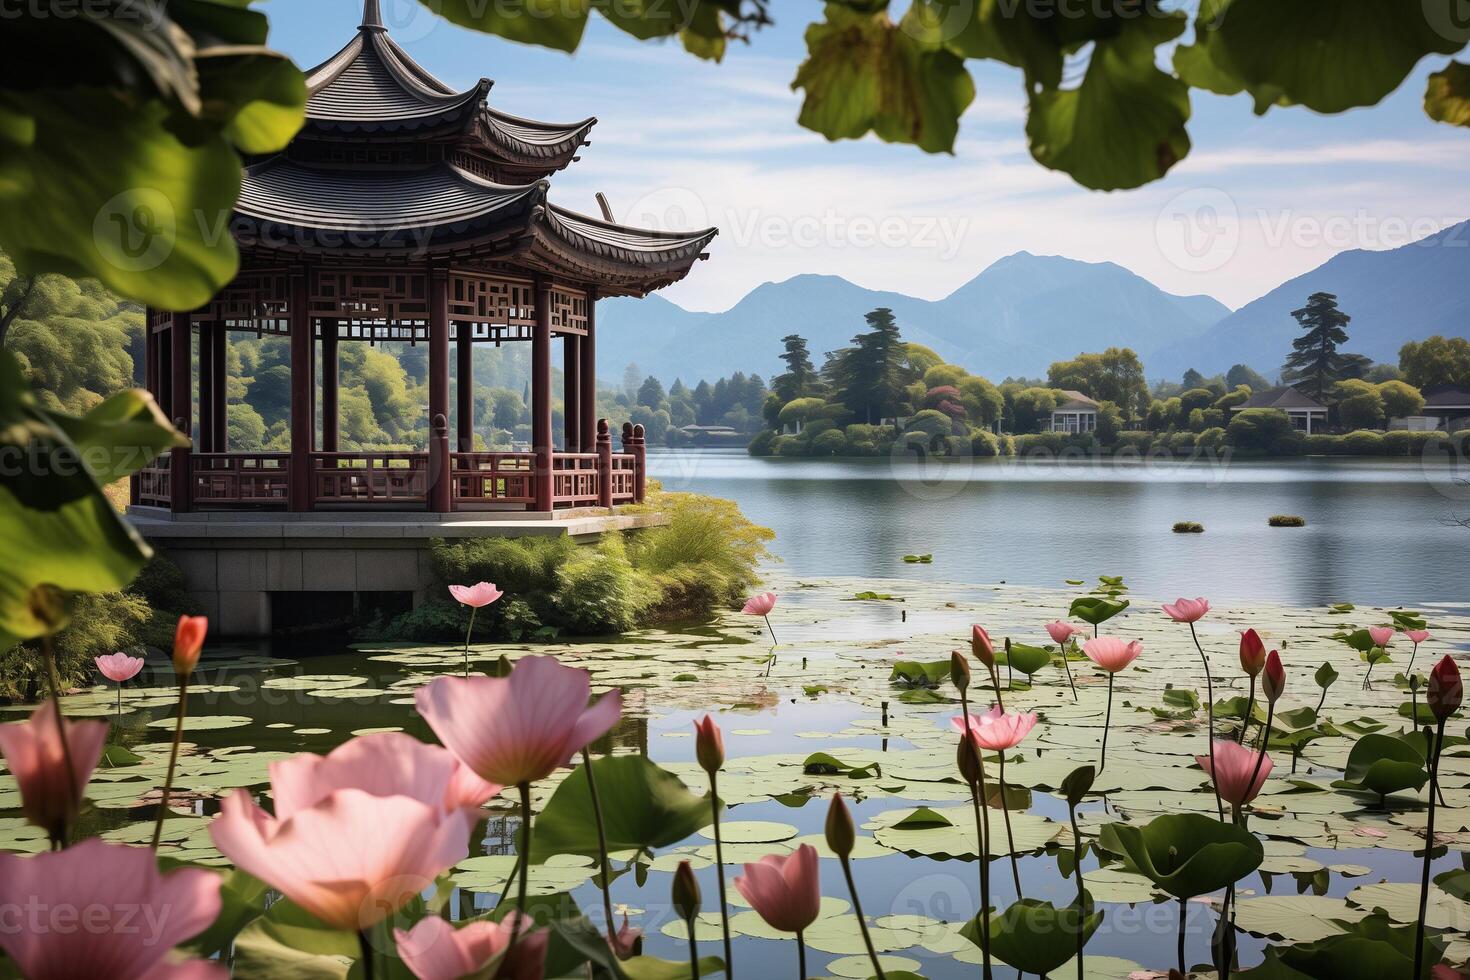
x=1382, y=636
x=998, y=730
x=357, y=833
x=760, y=605
x=436, y=950
x=119, y=667
x=104, y=911
x=1111, y=653
x=980, y=646
x=475, y=596
x=1252, y=652
x=625, y=940
x=785, y=889
x=1061, y=632
x=1417, y=636
x=1187, y=610
x=189, y=643
x=1273, y=680
x=33, y=751
x=382, y=764
x=709, y=745
x=522, y=728
x=1233, y=767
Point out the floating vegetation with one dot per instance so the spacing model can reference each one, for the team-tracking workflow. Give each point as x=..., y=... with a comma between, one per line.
x=1188, y=527
x=1286, y=520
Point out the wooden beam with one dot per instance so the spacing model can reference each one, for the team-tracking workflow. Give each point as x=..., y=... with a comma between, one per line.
x=541, y=398
x=303, y=425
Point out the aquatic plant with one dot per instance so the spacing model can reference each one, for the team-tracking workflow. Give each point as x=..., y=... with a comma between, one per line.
x=761, y=605
x=52, y=758
x=188, y=645
x=1112, y=655
x=475, y=598
x=1061, y=634
x=1286, y=520
x=1191, y=611
x=998, y=731
x=1252, y=660
x=709, y=749
x=841, y=835
x=1445, y=694
x=786, y=891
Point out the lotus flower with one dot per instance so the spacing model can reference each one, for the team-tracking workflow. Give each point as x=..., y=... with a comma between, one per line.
x=33, y=751
x=119, y=667
x=475, y=596
x=625, y=941
x=786, y=890
x=1382, y=636
x=760, y=605
x=1417, y=637
x=1061, y=632
x=519, y=729
x=998, y=730
x=1187, y=610
x=189, y=643
x=436, y=950
x=123, y=916
x=709, y=745
x=1273, y=680
x=1446, y=689
x=1111, y=653
x=1238, y=772
x=357, y=833
x=981, y=647
x=1252, y=653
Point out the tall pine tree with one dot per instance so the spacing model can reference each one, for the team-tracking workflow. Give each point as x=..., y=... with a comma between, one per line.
x=1314, y=367
x=800, y=377
x=869, y=376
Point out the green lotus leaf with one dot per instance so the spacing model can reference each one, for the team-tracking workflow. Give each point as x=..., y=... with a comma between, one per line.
x=1383, y=764
x=1325, y=676
x=1035, y=936
x=1028, y=659
x=1096, y=610
x=643, y=807
x=1369, y=949
x=651, y=968
x=1078, y=784
x=1185, y=854
x=1447, y=100
x=920, y=673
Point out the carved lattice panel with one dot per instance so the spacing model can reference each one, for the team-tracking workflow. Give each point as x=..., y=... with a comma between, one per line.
x=257, y=301
x=568, y=311
x=373, y=305
x=494, y=308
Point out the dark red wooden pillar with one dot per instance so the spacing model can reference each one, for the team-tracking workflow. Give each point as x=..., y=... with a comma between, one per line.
x=163, y=372
x=587, y=377
x=440, y=487
x=571, y=356
x=150, y=358
x=303, y=425
x=221, y=388
x=206, y=387
x=640, y=465
x=331, y=378
x=603, y=448
x=541, y=398
x=464, y=386
x=181, y=336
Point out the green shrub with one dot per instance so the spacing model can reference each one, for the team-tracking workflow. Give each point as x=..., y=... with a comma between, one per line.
x=1400, y=443
x=791, y=446
x=100, y=624
x=1134, y=440
x=868, y=440
x=830, y=442
x=1040, y=444
x=762, y=444
x=1189, y=527
x=815, y=428
x=1182, y=442
x=1322, y=444
x=1211, y=440
x=598, y=592
x=1363, y=442
x=707, y=539
x=984, y=444
x=1264, y=430
x=1286, y=520
x=519, y=566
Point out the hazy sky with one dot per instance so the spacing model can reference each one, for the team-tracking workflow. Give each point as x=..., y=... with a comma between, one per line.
x=684, y=143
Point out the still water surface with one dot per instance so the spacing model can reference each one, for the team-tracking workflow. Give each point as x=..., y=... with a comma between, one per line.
x=1376, y=529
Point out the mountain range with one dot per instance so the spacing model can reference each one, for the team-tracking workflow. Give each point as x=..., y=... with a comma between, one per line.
x=1025, y=311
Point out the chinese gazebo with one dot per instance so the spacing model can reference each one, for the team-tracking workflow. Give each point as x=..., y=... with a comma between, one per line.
x=407, y=211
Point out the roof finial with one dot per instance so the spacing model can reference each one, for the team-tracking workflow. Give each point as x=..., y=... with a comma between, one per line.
x=372, y=15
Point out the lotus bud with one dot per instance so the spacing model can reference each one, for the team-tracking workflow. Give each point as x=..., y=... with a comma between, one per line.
x=1252, y=652
x=1273, y=681
x=968, y=760
x=686, y=892
x=188, y=642
x=980, y=646
x=959, y=671
x=1446, y=689
x=709, y=745
x=840, y=832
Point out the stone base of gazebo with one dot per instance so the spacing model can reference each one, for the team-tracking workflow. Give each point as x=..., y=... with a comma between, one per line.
x=243, y=568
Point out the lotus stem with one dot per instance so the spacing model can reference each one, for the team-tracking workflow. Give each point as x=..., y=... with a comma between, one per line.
x=173, y=759
x=601, y=842
x=1107, y=723
x=767, y=618
x=1183, y=919
x=800, y=956
x=53, y=680
x=1412, y=654
x=1428, y=851
x=714, y=803
x=1210, y=719
x=982, y=830
x=693, y=953
x=1320, y=702
x=1068, y=668
x=857, y=906
x=1250, y=712
x=467, y=634
x=365, y=944
x=995, y=683
x=1081, y=889
x=1265, y=741
x=1005, y=810
x=525, y=868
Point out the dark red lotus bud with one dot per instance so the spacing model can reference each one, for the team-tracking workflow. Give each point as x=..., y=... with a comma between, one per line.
x=1446, y=689
x=1252, y=652
x=1273, y=681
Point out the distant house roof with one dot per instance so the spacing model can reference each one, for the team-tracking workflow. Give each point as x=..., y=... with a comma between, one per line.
x=709, y=430
x=1446, y=396
x=1285, y=399
x=1076, y=402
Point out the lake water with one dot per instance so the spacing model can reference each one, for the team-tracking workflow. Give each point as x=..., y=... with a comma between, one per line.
x=1376, y=529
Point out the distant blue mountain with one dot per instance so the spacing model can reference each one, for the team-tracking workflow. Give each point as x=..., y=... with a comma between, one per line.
x=1015, y=318
x=1393, y=296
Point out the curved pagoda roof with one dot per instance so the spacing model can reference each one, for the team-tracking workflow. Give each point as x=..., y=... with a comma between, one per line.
x=393, y=163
